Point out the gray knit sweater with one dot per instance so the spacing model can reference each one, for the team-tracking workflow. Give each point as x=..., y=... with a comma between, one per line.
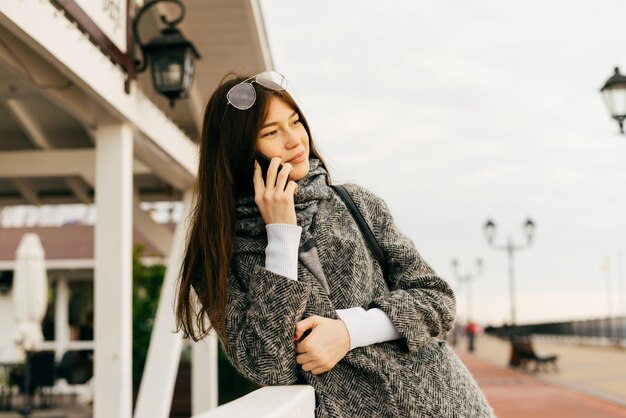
x=415, y=376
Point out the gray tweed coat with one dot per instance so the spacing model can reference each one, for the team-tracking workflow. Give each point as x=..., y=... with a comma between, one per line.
x=416, y=376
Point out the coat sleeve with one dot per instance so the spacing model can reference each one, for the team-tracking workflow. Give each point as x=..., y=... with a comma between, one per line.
x=419, y=303
x=262, y=310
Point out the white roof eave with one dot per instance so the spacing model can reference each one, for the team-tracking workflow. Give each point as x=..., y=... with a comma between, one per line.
x=46, y=30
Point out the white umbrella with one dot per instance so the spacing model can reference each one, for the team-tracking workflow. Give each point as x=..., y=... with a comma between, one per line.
x=30, y=292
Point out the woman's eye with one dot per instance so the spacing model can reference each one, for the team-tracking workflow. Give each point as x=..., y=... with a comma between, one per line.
x=271, y=133
x=296, y=121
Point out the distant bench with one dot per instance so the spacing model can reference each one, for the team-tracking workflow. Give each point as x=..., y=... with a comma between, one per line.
x=523, y=353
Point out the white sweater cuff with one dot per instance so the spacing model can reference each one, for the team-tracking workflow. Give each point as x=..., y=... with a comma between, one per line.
x=367, y=327
x=281, y=253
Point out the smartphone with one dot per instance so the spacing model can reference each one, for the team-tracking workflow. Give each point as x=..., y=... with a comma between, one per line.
x=264, y=162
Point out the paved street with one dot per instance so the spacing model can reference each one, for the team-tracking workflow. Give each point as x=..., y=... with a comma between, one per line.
x=591, y=383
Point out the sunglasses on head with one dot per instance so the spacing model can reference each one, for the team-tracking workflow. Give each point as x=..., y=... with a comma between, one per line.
x=243, y=95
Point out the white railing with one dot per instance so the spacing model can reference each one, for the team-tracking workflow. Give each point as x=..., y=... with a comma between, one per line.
x=297, y=401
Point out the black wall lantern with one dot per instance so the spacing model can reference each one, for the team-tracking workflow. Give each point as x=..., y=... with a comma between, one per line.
x=614, y=92
x=170, y=54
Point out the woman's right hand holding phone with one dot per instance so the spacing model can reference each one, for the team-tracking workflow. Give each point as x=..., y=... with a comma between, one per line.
x=275, y=201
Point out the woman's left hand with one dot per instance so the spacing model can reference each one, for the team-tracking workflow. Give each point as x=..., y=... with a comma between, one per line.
x=328, y=342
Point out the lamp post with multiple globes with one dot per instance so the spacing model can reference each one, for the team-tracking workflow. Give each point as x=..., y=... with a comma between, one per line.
x=465, y=279
x=510, y=247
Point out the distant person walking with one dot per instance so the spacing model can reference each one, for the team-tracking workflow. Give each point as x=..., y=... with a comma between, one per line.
x=471, y=331
x=274, y=251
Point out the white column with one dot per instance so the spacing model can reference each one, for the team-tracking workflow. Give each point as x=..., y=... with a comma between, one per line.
x=154, y=399
x=113, y=272
x=61, y=318
x=204, y=382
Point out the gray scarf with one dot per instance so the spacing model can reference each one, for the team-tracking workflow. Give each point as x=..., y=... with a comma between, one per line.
x=312, y=189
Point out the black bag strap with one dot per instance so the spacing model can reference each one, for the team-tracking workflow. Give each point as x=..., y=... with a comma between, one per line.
x=365, y=229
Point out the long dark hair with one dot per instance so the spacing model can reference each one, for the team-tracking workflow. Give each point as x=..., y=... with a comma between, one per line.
x=225, y=173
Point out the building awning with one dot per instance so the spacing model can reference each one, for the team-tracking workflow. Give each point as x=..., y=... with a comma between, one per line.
x=52, y=103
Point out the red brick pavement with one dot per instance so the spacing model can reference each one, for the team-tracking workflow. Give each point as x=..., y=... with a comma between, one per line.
x=514, y=394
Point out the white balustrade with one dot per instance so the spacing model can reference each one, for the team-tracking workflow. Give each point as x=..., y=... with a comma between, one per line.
x=296, y=401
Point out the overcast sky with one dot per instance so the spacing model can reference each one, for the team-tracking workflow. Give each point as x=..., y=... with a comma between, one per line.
x=458, y=111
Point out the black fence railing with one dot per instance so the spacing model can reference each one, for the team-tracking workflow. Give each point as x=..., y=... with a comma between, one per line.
x=611, y=328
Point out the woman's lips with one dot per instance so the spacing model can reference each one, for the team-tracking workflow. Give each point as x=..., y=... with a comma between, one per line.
x=298, y=159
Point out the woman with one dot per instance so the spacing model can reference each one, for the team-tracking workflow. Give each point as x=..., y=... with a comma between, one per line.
x=282, y=271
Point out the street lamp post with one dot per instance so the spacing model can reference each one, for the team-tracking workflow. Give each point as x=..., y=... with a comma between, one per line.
x=466, y=279
x=614, y=92
x=510, y=247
